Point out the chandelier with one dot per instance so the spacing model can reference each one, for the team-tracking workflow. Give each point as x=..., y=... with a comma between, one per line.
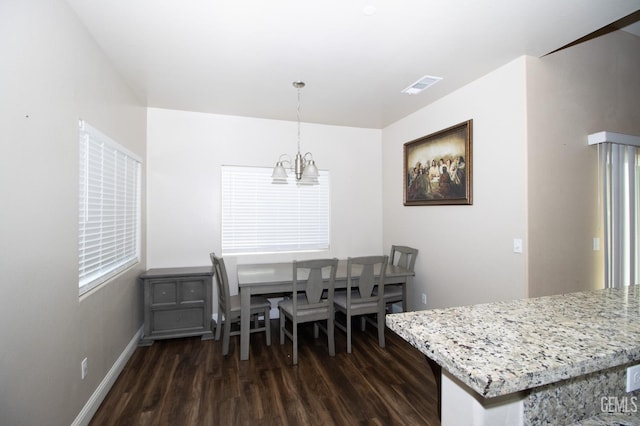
x=303, y=165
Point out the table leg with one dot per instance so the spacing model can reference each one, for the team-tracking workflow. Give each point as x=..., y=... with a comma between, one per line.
x=245, y=317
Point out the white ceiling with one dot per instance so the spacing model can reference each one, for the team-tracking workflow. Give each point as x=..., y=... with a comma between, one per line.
x=239, y=57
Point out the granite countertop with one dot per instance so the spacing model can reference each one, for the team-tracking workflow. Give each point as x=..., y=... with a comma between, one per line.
x=505, y=347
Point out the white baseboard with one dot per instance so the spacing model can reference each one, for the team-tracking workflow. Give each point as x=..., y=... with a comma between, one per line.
x=92, y=405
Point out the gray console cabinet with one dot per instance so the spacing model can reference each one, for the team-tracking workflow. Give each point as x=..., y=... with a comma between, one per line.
x=177, y=303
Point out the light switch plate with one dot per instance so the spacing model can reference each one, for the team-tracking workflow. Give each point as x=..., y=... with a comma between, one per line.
x=517, y=245
x=84, y=368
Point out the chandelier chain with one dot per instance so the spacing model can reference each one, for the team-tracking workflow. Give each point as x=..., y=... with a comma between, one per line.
x=302, y=165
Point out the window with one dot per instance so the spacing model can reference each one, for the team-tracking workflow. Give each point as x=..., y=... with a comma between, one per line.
x=261, y=217
x=620, y=165
x=109, y=208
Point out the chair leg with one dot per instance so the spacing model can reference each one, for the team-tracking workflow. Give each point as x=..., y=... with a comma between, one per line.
x=363, y=322
x=404, y=297
x=331, y=336
x=316, y=330
x=348, y=333
x=295, y=341
x=267, y=326
x=381, y=328
x=282, y=324
x=225, y=338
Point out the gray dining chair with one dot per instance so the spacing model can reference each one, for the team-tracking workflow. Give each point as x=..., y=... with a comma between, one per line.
x=311, y=301
x=364, y=275
x=405, y=257
x=229, y=308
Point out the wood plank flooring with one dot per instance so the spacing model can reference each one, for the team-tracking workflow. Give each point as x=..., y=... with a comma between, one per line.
x=188, y=382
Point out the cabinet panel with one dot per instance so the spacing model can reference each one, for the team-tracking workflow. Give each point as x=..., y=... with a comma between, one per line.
x=192, y=291
x=178, y=319
x=163, y=292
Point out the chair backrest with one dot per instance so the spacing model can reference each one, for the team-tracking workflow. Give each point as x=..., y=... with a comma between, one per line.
x=222, y=283
x=403, y=256
x=369, y=271
x=314, y=273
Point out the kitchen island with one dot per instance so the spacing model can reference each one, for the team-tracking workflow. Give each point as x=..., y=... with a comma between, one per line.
x=547, y=360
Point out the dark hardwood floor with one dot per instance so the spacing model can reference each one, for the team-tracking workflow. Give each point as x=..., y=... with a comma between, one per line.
x=188, y=382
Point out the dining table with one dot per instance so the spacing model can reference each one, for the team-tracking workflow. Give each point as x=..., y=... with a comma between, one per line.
x=277, y=279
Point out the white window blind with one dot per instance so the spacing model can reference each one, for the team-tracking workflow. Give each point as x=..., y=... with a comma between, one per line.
x=109, y=208
x=261, y=217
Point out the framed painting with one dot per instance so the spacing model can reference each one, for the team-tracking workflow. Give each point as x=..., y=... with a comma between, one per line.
x=438, y=168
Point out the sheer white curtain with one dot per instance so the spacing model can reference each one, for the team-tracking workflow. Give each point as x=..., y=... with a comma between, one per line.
x=620, y=166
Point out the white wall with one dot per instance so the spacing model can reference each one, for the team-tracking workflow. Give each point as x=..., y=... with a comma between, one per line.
x=587, y=88
x=52, y=74
x=466, y=252
x=186, y=150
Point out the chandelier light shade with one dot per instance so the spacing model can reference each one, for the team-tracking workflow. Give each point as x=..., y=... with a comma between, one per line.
x=303, y=166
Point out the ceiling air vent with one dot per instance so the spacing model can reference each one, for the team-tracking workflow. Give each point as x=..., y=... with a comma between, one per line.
x=420, y=85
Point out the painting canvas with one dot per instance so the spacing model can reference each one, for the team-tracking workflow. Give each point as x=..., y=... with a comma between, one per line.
x=438, y=167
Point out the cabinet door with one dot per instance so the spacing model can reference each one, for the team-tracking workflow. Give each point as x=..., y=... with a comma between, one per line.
x=192, y=290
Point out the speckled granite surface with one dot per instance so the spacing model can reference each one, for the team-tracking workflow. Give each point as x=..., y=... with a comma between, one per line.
x=505, y=347
x=610, y=420
x=595, y=397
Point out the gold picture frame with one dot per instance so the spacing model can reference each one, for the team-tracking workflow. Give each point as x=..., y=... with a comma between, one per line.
x=438, y=168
